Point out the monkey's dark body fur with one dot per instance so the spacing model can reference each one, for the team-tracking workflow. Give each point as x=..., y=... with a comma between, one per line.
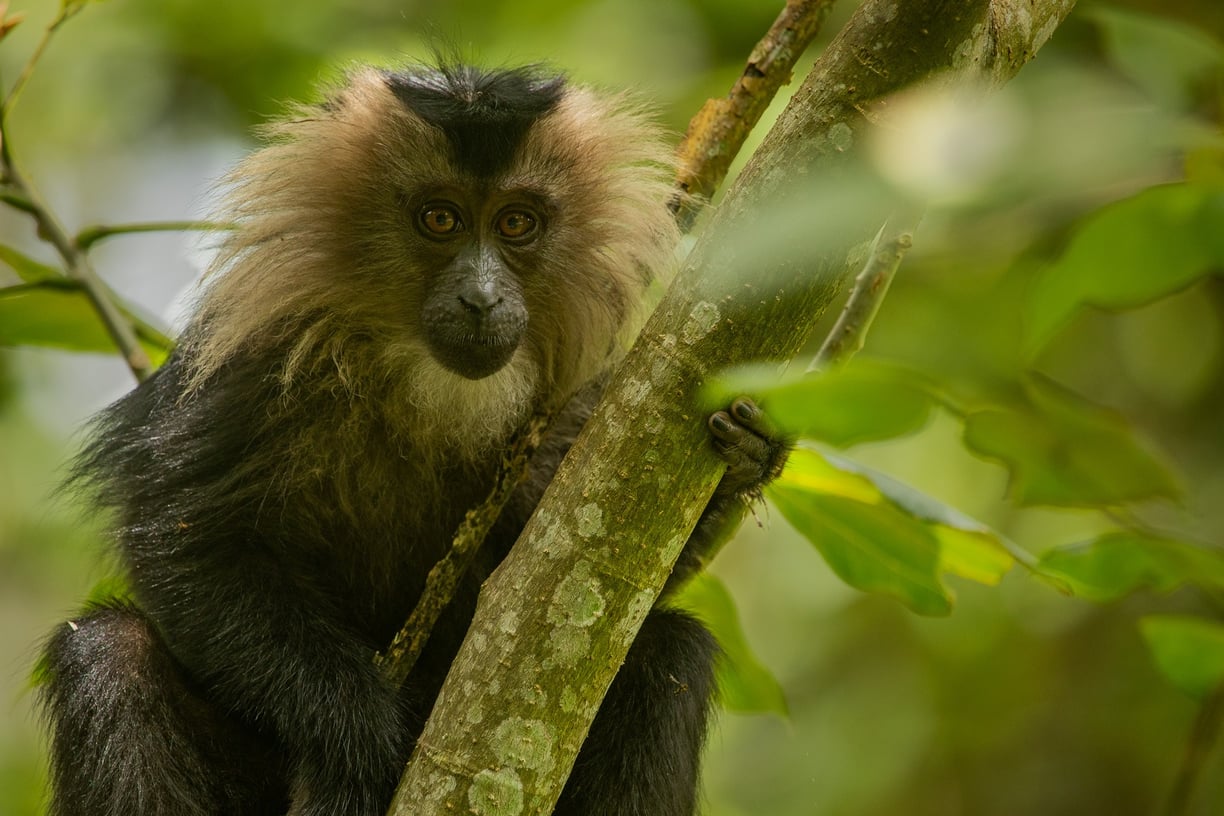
x=276, y=524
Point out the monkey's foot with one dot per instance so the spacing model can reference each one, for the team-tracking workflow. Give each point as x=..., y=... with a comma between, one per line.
x=754, y=452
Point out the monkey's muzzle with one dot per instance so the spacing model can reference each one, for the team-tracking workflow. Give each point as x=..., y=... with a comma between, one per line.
x=474, y=343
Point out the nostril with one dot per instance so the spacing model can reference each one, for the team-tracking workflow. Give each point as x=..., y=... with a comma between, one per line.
x=480, y=303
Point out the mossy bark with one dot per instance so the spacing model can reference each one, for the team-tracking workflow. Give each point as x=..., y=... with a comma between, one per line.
x=555, y=621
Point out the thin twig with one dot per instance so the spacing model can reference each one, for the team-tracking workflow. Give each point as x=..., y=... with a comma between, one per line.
x=67, y=12
x=23, y=196
x=848, y=334
x=1203, y=735
x=16, y=200
x=75, y=262
x=89, y=236
x=716, y=134
x=9, y=21
x=397, y=662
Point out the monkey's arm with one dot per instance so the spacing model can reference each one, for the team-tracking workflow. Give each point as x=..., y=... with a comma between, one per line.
x=755, y=455
x=234, y=574
x=269, y=649
x=741, y=435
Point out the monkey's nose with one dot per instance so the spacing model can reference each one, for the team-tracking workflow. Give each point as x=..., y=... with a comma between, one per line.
x=480, y=301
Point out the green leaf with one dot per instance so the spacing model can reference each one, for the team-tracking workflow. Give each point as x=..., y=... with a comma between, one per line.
x=863, y=401
x=745, y=685
x=1119, y=563
x=1188, y=651
x=1131, y=253
x=867, y=541
x=967, y=547
x=28, y=269
x=1063, y=450
x=58, y=314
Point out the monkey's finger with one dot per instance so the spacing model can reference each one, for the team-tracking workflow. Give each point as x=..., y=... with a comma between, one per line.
x=738, y=442
x=750, y=415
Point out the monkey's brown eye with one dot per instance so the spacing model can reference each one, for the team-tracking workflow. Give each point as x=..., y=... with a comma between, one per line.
x=441, y=220
x=516, y=224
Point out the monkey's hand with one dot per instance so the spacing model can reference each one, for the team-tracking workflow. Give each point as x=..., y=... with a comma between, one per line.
x=754, y=452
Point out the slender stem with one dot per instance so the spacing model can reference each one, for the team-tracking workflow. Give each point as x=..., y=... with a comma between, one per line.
x=89, y=236
x=66, y=12
x=16, y=200
x=75, y=261
x=718, y=131
x=1203, y=735
x=22, y=195
x=397, y=662
x=849, y=333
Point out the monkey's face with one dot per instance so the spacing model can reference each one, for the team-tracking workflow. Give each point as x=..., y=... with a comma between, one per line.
x=464, y=232
x=478, y=249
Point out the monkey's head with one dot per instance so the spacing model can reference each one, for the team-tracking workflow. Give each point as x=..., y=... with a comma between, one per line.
x=466, y=231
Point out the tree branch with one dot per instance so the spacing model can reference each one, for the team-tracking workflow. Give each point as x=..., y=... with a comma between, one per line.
x=21, y=195
x=555, y=621
x=714, y=138
x=399, y=658
x=718, y=131
x=870, y=287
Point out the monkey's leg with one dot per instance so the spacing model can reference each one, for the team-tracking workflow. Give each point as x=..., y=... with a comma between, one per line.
x=130, y=738
x=643, y=753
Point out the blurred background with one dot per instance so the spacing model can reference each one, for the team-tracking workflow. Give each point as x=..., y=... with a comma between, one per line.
x=1023, y=701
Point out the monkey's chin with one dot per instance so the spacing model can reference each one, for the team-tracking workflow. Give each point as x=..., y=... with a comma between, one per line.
x=473, y=358
x=462, y=416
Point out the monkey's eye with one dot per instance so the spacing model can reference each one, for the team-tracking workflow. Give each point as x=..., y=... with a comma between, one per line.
x=516, y=224
x=441, y=220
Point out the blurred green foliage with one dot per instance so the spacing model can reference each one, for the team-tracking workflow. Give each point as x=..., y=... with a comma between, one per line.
x=1054, y=350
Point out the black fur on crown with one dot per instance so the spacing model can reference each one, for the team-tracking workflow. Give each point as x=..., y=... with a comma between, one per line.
x=484, y=113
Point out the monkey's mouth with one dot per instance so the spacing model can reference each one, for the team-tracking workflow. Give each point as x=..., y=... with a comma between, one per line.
x=474, y=355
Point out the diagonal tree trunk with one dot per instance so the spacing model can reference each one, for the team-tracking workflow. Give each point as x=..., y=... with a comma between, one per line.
x=555, y=621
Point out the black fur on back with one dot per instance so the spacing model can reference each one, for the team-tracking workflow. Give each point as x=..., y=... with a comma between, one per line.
x=278, y=500
x=259, y=583
x=242, y=470
x=245, y=673
x=133, y=735
x=179, y=469
x=484, y=113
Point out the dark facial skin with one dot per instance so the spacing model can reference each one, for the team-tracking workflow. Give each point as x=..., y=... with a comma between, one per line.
x=475, y=314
